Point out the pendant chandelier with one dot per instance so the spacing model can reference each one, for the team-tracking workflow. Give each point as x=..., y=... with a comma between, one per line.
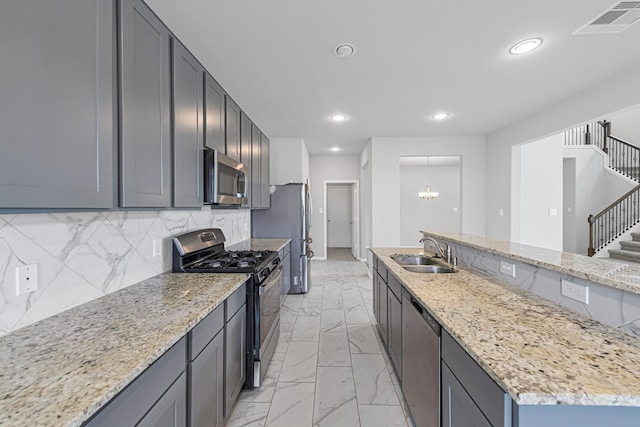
x=428, y=195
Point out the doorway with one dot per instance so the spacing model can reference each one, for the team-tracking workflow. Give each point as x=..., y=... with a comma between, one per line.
x=341, y=218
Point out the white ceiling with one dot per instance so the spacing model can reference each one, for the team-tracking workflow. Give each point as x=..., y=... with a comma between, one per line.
x=414, y=58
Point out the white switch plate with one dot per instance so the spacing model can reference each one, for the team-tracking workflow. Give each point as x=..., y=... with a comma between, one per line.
x=157, y=248
x=500, y=212
x=320, y=210
x=26, y=279
x=455, y=209
x=553, y=212
x=508, y=268
x=575, y=291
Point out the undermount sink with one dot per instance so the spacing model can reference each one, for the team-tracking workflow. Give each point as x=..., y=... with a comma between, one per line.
x=433, y=269
x=416, y=260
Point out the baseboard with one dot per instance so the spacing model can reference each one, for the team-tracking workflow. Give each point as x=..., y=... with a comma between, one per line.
x=319, y=258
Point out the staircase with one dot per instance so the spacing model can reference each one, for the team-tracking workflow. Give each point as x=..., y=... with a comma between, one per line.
x=630, y=250
x=621, y=216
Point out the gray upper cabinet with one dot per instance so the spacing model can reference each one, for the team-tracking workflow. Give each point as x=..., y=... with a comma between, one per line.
x=145, y=85
x=255, y=192
x=265, y=199
x=245, y=153
x=232, y=128
x=188, y=128
x=57, y=107
x=214, y=114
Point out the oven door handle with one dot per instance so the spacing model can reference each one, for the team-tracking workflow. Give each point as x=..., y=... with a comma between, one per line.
x=272, y=280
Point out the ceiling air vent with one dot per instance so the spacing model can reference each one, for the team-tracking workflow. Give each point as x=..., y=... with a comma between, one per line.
x=615, y=19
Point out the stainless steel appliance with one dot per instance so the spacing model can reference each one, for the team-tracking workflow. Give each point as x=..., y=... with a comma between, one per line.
x=420, y=362
x=289, y=216
x=224, y=179
x=203, y=252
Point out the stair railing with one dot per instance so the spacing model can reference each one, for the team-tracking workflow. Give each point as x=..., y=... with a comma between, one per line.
x=624, y=157
x=614, y=220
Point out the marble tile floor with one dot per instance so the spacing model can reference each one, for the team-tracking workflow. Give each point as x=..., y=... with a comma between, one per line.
x=342, y=254
x=329, y=368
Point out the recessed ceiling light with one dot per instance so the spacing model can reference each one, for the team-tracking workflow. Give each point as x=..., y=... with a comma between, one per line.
x=335, y=149
x=440, y=116
x=338, y=117
x=344, y=50
x=525, y=46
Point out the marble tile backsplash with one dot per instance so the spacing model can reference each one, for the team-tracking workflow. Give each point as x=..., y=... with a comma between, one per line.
x=611, y=306
x=82, y=256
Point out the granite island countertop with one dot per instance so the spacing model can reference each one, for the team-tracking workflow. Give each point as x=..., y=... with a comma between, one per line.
x=63, y=369
x=605, y=271
x=540, y=353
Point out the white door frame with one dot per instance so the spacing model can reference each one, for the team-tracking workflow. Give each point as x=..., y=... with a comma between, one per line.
x=356, y=210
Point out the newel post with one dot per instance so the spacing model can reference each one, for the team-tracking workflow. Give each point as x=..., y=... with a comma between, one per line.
x=591, y=251
x=607, y=134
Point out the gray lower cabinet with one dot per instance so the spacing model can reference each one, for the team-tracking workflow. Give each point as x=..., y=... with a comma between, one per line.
x=285, y=280
x=458, y=408
x=57, y=110
x=214, y=114
x=235, y=330
x=265, y=198
x=245, y=154
x=145, y=86
x=158, y=397
x=376, y=295
x=188, y=128
x=394, y=326
x=232, y=128
x=383, y=318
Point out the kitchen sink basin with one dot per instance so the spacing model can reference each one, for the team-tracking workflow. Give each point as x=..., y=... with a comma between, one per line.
x=413, y=260
x=432, y=269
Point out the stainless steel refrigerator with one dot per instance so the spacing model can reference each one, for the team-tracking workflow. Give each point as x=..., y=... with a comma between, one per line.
x=290, y=217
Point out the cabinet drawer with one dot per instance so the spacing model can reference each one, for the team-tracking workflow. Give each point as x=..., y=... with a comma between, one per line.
x=235, y=301
x=205, y=331
x=395, y=287
x=383, y=272
x=494, y=403
x=131, y=405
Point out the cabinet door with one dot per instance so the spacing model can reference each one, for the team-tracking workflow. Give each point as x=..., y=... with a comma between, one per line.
x=206, y=373
x=256, y=177
x=145, y=142
x=232, y=129
x=394, y=330
x=188, y=128
x=171, y=409
x=376, y=295
x=383, y=301
x=286, y=273
x=57, y=109
x=235, y=349
x=214, y=114
x=458, y=409
x=245, y=153
x=265, y=199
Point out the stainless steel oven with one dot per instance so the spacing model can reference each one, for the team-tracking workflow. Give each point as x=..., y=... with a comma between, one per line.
x=267, y=308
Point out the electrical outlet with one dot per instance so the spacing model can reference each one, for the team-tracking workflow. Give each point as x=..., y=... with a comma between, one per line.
x=553, y=212
x=26, y=279
x=157, y=248
x=508, y=268
x=575, y=291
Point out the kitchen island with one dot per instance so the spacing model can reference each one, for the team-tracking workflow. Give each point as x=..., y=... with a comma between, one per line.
x=541, y=354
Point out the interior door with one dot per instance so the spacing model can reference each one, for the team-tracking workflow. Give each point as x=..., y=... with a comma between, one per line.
x=339, y=217
x=355, y=244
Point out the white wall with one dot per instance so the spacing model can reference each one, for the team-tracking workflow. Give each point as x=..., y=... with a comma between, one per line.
x=541, y=191
x=625, y=125
x=288, y=161
x=322, y=168
x=616, y=93
x=437, y=214
x=385, y=205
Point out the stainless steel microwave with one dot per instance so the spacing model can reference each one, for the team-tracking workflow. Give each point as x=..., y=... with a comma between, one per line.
x=225, y=179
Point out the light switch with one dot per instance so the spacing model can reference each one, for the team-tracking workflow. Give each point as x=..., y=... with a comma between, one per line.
x=500, y=212
x=320, y=210
x=553, y=212
x=455, y=209
x=157, y=248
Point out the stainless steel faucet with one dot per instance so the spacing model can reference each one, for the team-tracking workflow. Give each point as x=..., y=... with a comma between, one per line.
x=439, y=248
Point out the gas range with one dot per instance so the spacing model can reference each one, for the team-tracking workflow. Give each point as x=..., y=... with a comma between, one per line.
x=203, y=251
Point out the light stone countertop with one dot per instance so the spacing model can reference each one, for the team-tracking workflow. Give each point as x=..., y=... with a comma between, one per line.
x=605, y=271
x=260, y=244
x=62, y=370
x=538, y=352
